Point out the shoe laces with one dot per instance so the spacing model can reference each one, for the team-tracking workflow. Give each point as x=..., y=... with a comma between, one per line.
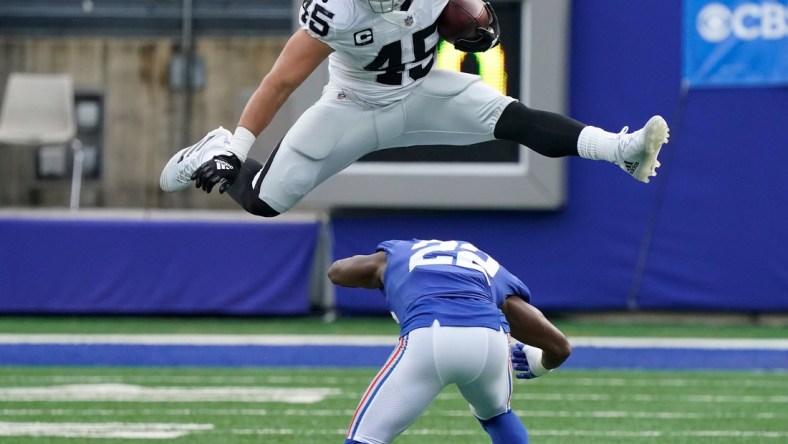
x=626, y=141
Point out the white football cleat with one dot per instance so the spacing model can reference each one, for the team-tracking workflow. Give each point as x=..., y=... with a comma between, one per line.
x=176, y=175
x=637, y=152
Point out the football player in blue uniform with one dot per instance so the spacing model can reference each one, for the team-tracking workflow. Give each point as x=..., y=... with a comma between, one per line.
x=382, y=93
x=448, y=298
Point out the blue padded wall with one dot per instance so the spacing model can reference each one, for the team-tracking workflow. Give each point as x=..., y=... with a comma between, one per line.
x=98, y=266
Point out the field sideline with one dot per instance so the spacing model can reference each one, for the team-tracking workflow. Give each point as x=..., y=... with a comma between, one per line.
x=238, y=404
x=671, y=325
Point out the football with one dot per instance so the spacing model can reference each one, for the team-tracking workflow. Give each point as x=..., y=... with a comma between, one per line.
x=460, y=18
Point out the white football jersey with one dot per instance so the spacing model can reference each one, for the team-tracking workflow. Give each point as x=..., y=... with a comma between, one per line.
x=378, y=58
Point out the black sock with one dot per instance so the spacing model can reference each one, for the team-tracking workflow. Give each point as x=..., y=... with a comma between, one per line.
x=549, y=134
x=249, y=198
x=240, y=188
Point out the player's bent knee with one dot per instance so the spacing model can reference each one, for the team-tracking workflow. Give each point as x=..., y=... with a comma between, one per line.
x=254, y=205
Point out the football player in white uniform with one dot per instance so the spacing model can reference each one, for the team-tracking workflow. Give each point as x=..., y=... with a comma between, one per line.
x=447, y=297
x=382, y=93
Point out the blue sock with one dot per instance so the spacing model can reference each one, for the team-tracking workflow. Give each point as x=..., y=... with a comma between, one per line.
x=505, y=428
x=350, y=441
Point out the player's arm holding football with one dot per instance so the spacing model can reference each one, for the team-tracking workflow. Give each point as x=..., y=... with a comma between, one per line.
x=486, y=38
x=543, y=346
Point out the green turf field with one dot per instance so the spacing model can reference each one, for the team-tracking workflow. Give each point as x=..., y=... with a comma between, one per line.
x=276, y=405
x=566, y=407
x=359, y=326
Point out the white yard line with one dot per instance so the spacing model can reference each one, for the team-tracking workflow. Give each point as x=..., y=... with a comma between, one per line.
x=372, y=340
x=26, y=378
x=136, y=393
x=181, y=339
x=118, y=430
x=694, y=343
x=627, y=397
x=639, y=397
x=544, y=413
x=294, y=395
x=715, y=434
x=776, y=381
x=661, y=433
x=720, y=380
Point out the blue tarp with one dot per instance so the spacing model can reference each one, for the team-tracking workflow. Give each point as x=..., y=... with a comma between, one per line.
x=50, y=266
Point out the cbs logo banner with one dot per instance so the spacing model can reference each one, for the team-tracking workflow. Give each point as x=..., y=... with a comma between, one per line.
x=735, y=43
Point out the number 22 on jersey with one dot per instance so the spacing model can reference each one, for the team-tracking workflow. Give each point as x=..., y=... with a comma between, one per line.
x=463, y=254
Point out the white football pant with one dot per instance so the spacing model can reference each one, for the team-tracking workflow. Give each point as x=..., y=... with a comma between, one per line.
x=448, y=108
x=475, y=359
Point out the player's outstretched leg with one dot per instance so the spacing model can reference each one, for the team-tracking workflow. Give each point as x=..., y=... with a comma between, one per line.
x=549, y=134
x=176, y=175
x=555, y=135
x=635, y=153
x=505, y=428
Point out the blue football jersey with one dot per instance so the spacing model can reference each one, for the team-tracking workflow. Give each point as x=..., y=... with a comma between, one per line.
x=451, y=281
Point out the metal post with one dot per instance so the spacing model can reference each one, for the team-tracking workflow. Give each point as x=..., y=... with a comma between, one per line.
x=187, y=49
x=76, y=173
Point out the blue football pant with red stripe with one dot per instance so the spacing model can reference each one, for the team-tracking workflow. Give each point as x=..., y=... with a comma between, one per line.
x=475, y=359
